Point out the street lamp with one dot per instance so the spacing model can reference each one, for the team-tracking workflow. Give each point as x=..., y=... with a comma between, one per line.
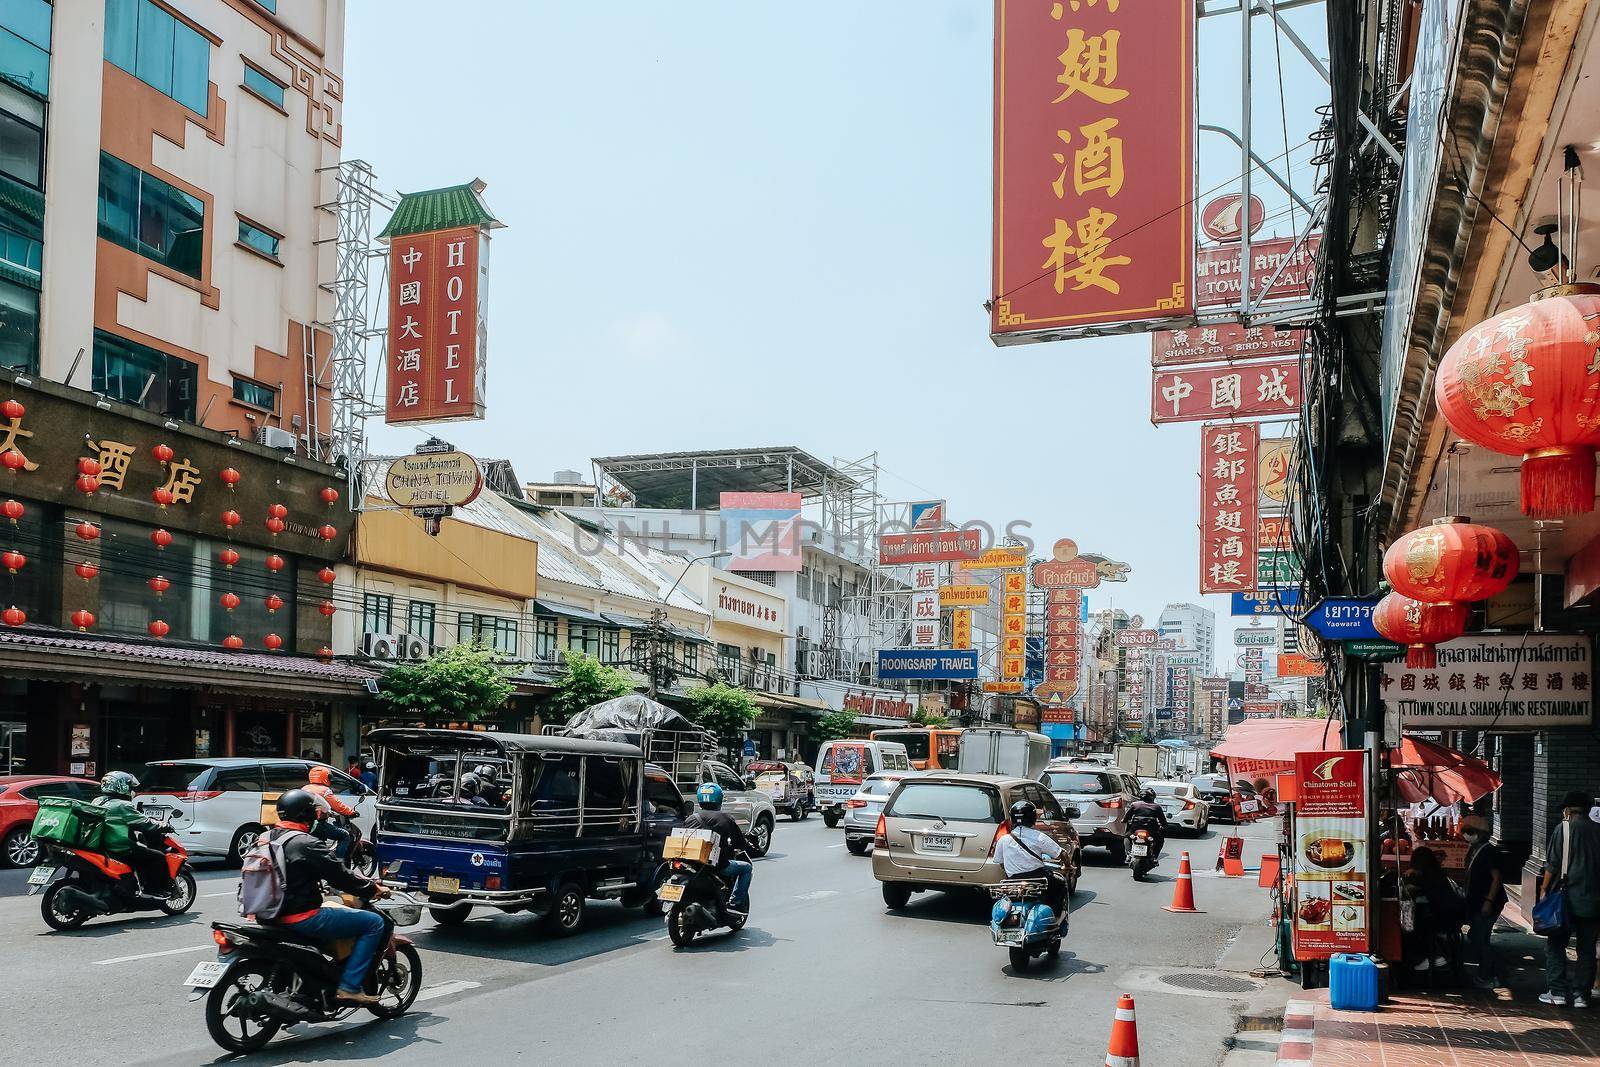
x=658, y=617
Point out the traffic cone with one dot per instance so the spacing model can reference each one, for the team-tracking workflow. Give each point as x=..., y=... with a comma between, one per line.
x=1183, y=892
x=1123, y=1050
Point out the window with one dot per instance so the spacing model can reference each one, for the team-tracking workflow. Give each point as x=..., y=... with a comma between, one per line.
x=419, y=620
x=544, y=638
x=725, y=777
x=264, y=85
x=499, y=634
x=611, y=646
x=19, y=327
x=728, y=660
x=952, y=803
x=802, y=585
x=608, y=794
x=21, y=149
x=164, y=53
x=284, y=776
x=550, y=793
x=585, y=639
x=125, y=370
x=253, y=236
x=268, y=5
x=662, y=796
x=764, y=577
x=25, y=44
x=377, y=613
x=239, y=780
x=147, y=215
x=691, y=657
x=255, y=394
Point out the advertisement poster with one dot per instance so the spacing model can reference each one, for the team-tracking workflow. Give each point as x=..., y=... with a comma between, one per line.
x=1330, y=854
x=762, y=530
x=79, y=744
x=846, y=762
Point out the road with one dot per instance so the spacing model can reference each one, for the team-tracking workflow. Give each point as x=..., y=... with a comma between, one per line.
x=822, y=972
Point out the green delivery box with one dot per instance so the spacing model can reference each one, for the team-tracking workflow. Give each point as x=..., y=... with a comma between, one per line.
x=69, y=823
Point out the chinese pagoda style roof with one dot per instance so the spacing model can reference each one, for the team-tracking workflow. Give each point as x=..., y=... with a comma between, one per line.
x=449, y=208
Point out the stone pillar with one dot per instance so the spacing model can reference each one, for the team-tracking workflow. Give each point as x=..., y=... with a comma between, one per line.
x=1562, y=760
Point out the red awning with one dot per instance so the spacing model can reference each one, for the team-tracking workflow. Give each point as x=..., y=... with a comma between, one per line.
x=1425, y=770
x=1277, y=740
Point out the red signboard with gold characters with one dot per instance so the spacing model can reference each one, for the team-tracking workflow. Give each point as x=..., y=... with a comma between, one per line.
x=1093, y=166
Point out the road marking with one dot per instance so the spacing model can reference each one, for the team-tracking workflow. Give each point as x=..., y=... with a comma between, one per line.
x=444, y=989
x=840, y=845
x=819, y=894
x=229, y=893
x=152, y=955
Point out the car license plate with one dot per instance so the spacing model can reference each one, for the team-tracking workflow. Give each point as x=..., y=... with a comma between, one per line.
x=938, y=843
x=205, y=975
x=1008, y=937
x=1141, y=850
x=42, y=875
x=670, y=891
x=155, y=811
x=437, y=883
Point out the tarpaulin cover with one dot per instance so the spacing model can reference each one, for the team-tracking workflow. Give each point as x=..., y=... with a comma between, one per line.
x=630, y=714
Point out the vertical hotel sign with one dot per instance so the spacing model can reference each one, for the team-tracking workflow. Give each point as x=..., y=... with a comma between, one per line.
x=1093, y=166
x=1228, y=492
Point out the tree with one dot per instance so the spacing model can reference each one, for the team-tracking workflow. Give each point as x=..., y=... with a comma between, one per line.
x=932, y=719
x=588, y=682
x=461, y=683
x=725, y=710
x=833, y=726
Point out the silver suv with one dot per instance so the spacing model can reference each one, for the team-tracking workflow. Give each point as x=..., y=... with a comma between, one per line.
x=1102, y=794
x=750, y=807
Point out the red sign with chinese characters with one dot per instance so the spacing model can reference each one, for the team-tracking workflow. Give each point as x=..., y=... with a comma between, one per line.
x=930, y=547
x=435, y=327
x=1093, y=166
x=1332, y=899
x=1224, y=342
x=1217, y=270
x=1228, y=508
x=1236, y=391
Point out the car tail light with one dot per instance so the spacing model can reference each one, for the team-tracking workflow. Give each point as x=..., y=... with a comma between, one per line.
x=855, y=802
x=999, y=832
x=880, y=835
x=196, y=795
x=1113, y=804
x=1188, y=805
x=492, y=882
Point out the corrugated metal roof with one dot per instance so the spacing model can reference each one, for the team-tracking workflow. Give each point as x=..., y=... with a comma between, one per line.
x=185, y=656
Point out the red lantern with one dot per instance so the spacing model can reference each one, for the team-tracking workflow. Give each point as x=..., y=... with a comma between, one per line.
x=13, y=460
x=88, y=466
x=277, y=511
x=14, y=616
x=228, y=557
x=158, y=584
x=272, y=641
x=274, y=562
x=162, y=496
x=1452, y=560
x=158, y=629
x=1419, y=626
x=229, y=476
x=229, y=601
x=161, y=538
x=327, y=575
x=325, y=654
x=82, y=619
x=13, y=510
x=13, y=560
x=329, y=494
x=12, y=410
x=1519, y=383
x=87, y=531
x=274, y=602
x=230, y=518
x=275, y=525
x=328, y=533
x=233, y=641
x=163, y=453
x=88, y=483
x=87, y=571
x=327, y=607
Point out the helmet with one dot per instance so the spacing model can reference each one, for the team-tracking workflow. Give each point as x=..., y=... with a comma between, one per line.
x=370, y=766
x=1023, y=813
x=317, y=776
x=469, y=785
x=484, y=771
x=710, y=796
x=119, y=784
x=297, y=806
x=1148, y=796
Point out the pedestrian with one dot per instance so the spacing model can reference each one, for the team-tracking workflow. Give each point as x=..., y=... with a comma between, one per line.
x=1486, y=897
x=1572, y=856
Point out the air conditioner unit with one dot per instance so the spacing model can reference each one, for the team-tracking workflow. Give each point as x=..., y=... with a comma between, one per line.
x=412, y=647
x=380, y=646
x=275, y=437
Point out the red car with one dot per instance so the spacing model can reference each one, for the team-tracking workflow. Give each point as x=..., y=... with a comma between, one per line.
x=19, y=803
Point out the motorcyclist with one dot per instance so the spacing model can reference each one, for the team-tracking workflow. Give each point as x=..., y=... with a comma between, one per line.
x=1146, y=814
x=307, y=865
x=149, y=864
x=488, y=787
x=328, y=802
x=711, y=817
x=1030, y=854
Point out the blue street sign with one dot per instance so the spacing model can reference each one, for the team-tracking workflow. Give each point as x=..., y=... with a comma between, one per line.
x=749, y=747
x=896, y=664
x=1344, y=618
x=1271, y=601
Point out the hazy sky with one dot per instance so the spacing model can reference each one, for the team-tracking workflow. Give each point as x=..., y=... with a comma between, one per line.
x=750, y=223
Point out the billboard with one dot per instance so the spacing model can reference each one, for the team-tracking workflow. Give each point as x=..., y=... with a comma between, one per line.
x=924, y=606
x=762, y=530
x=1227, y=508
x=1073, y=574
x=929, y=547
x=1093, y=167
x=898, y=664
x=1234, y=391
x=438, y=314
x=1223, y=343
x=1331, y=894
x=1527, y=681
x=926, y=514
x=963, y=596
x=1217, y=271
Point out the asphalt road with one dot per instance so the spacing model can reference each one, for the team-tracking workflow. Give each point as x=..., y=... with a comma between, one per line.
x=821, y=973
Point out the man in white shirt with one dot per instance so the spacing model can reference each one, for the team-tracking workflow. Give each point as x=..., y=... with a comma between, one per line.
x=1028, y=853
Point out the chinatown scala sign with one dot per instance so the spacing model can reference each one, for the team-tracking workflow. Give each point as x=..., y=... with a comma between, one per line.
x=436, y=325
x=930, y=547
x=1250, y=390
x=1093, y=166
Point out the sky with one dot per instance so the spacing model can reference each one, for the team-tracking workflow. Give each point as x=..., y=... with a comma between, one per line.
x=747, y=224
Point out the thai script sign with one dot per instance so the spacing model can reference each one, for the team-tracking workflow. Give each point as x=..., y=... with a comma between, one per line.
x=1509, y=681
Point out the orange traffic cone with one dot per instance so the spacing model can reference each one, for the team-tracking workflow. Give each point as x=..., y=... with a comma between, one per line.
x=1183, y=892
x=1123, y=1051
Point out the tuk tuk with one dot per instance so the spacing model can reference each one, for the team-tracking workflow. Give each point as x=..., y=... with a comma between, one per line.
x=571, y=820
x=788, y=784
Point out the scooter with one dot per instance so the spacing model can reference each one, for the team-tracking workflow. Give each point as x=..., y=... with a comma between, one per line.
x=96, y=884
x=1023, y=923
x=698, y=898
x=264, y=978
x=1143, y=850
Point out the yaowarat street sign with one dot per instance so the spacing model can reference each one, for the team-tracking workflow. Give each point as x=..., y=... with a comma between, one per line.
x=433, y=480
x=1093, y=167
x=1227, y=508
x=1236, y=391
x=1223, y=343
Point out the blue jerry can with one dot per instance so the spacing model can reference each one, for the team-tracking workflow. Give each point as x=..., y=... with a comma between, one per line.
x=1353, y=982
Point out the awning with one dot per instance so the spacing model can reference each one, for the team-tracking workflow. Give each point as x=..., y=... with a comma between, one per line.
x=627, y=622
x=1425, y=770
x=566, y=611
x=1277, y=740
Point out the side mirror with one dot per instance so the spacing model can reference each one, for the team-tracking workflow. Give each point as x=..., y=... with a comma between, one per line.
x=686, y=810
x=1072, y=811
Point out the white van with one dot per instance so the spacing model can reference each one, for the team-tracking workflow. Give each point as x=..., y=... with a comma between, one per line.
x=843, y=765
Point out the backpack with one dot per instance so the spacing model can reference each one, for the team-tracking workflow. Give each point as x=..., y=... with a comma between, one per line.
x=262, y=877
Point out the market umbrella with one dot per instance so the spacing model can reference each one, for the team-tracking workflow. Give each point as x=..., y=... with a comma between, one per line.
x=1425, y=770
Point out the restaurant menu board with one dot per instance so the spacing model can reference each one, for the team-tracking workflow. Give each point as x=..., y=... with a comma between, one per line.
x=1332, y=897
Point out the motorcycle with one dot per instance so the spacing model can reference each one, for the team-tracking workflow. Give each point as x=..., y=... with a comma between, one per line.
x=363, y=856
x=1143, y=850
x=698, y=896
x=264, y=978
x=1022, y=922
x=98, y=884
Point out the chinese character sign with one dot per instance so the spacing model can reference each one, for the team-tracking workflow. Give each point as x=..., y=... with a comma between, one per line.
x=1094, y=165
x=436, y=325
x=1224, y=342
x=924, y=606
x=1248, y=390
x=1228, y=508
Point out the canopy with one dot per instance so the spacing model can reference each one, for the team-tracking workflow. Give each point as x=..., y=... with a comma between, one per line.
x=625, y=717
x=1425, y=770
x=1277, y=740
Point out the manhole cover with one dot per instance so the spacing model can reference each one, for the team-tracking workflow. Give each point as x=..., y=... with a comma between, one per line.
x=1209, y=983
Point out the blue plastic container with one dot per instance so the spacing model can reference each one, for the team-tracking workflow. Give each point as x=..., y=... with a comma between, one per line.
x=1353, y=982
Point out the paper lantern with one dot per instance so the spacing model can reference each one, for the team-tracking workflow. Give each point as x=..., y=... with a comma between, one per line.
x=162, y=496
x=13, y=560
x=229, y=601
x=229, y=476
x=1419, y=626
x=13, y=510
x=82, y=619
x=162, y=452
x=277, y=511
x=88, y=483
x=233, y=641
x=275, y=525
x=13, y=460
x=228, y=557
x=327, y=607
x=158, y=629
x=272, y=641
x=273, y=602
x=87, y=571
x=161, y=538
x=325, y=654
x=328, y=533
x=87, y=531
x=230, y=518
x=88, y=466
x=14, y=616
x=11, y=409
x=158, y=584
x=1520, y=383
x=1452, y=560
x=274, y=562
x=327, y=575
x=329, y=494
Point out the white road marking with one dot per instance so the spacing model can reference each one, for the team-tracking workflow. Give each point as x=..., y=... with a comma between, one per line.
x=840, y=845
x=229, y=893
x=444, y=989
x=818, y=894
x=153, y=955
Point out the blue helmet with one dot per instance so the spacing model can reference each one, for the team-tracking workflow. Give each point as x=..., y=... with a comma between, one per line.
x=710, y=796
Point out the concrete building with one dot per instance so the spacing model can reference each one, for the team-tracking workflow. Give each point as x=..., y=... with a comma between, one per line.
x=1192, y=626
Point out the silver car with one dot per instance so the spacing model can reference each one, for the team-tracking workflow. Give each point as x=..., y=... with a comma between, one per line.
x=862, y=810
x=1102, y=794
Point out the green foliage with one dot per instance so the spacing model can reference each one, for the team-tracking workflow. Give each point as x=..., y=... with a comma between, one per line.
x=932, y=719
x=833, y=726
x=1136, y=737
x=725, y=710
x=588, y=682
x=457, y=684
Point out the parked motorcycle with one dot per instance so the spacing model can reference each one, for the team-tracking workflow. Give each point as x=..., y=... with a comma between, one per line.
x=698, y=898
x=1022, y=922
x=264, y=979
x=98, y=884
x=1143, y=850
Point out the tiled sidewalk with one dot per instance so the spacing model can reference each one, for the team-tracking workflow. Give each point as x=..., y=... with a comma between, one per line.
x=1449, y=1030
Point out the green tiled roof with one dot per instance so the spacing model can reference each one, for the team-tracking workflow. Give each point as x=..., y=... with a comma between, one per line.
x=440, y=209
